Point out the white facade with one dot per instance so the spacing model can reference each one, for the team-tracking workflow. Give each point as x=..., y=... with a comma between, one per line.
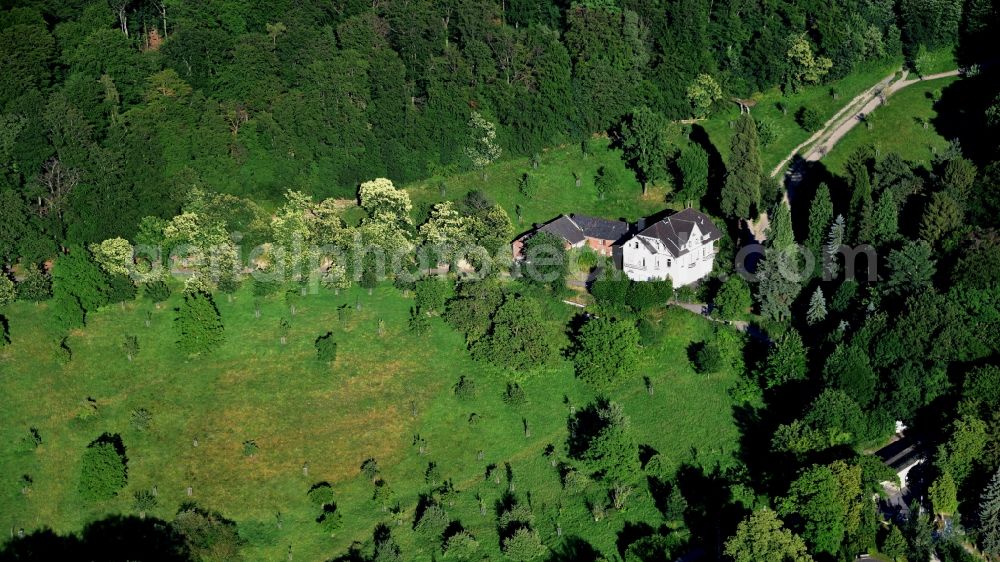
x=648, y=258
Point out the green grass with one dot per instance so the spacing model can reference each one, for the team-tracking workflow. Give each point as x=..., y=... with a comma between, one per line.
x=333, y=417
x=940, y=60
x=556, y=186
x=897, y=128
x=789, y=133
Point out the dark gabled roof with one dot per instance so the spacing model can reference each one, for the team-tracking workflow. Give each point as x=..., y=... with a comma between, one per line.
x=604, y=229
x=565, y=228
x=575, y=228
x=675, y=230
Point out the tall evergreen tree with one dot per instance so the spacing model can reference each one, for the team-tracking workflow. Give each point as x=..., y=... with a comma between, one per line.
x=693, y=167
x=779, y=283
x=820, y=219
x=817, y=307
x=780, y=236
x=834, y=240
x=741, y=191
x=989, y=516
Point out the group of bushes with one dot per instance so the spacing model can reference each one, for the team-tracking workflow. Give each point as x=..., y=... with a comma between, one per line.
x=619, y=293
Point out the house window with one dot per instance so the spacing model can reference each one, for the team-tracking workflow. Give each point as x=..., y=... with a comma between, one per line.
x=669, y=262
x=643, y=262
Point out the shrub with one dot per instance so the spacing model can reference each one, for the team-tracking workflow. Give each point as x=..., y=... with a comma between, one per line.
x=29, y=441
x=326, y=348
x=430, y=295
x=647, y=294
x=143, y=501
x=250, y=448
x=576, y=482
x=103, y=471
x=610, y=291
x=141, y=419
x=35, y=287
x=121, y=289
x=809, y=119
x=465, y=388
x=370, y=468
x=7, y=292
x=524, y=544
x=432, y=475
x=514, y=396
x=433, y=521
x=209, y=535
x=156, y=291
x=766, y=132
x=418, y=324
x=130, y=345
x=88, y=409
x=320, y=494
x=527, y=186
x=708, y=358
x=461, y=546
x=228, y=283
x=331, y=519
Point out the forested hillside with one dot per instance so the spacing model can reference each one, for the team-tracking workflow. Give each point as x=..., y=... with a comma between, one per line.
x=258, y=300
x=111, y=111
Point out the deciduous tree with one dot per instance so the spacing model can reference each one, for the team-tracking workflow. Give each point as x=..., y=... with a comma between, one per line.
x=645, y=144
x=762, y=536
x=199, y=325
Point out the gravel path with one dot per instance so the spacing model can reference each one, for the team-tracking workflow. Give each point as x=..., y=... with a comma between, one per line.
x=822, y=142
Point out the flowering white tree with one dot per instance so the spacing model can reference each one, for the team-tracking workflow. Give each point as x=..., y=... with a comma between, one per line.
x=446, y=226
x=114, y=255
x=292, y=236
x=702, y=93
x=483, y=148
x=384, y=202
x=335, y=277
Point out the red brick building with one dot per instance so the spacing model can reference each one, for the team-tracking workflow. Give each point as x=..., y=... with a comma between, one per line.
x=579, y=230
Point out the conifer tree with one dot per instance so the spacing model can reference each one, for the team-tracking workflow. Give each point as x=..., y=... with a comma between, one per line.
x=741, y=192
x=834, y=240
x=817, y=307
x=820, y=219
x=989, y=516
x=779, y=232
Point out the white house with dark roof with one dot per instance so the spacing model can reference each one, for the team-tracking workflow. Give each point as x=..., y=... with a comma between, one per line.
x=680, y=246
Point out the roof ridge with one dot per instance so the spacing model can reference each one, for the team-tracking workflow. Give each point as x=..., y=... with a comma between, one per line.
x=570, y=219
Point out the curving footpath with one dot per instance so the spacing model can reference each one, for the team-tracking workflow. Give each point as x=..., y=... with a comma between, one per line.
x=822, y=141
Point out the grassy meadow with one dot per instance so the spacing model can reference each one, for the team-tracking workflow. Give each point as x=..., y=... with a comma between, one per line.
x=381, y=392
x=898, y=127
x=788, y=133
x=556, y=191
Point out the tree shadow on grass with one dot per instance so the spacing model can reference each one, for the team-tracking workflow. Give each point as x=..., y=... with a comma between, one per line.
x=115, y=538
x=574, y=549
